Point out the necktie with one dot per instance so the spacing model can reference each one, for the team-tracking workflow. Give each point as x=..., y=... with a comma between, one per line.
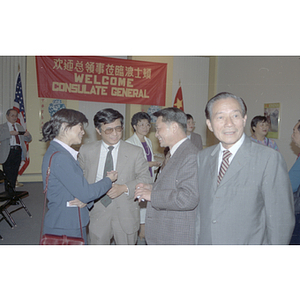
x=224, y=164
x=16, y=136
x=109, y=166
x=168, y=155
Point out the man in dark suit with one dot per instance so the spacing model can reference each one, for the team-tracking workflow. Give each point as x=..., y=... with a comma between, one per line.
x=12, y=146
x=121, y=217
x=173, y=198
x=245, y=191
x=195, y=138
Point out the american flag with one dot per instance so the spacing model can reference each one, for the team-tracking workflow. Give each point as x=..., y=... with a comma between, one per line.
x=19, y=107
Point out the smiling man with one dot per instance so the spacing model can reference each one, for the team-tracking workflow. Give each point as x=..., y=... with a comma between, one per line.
x=116, y=215
x=173, y=198
x=245, y=191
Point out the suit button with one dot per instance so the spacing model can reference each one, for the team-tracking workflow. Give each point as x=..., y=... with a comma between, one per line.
x=214, y=221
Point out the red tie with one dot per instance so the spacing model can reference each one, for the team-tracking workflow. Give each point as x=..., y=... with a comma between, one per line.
x=16, y=136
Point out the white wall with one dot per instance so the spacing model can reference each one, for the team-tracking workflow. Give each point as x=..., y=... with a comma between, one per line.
x=260, y=80
x=193, y=73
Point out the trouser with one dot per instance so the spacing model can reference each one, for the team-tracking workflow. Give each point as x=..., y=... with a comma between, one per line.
x=11, y=167
x=104, y=225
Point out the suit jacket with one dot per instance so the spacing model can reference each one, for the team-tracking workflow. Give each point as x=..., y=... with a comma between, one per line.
x=132, y=169
x=171, y=213
x=5, y=141
x=253, y=203
x=66, y=181
x=197, y=140
x=134, y=140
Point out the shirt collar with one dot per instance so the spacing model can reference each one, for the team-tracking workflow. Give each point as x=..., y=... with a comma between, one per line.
x=73, y=152
x=116, y=146
x=233, y=149
x=175, y=147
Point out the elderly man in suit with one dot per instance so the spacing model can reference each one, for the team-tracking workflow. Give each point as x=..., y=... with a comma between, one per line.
x=12, y=146
x=116, y=214
x=245, y=191
x=173, y=198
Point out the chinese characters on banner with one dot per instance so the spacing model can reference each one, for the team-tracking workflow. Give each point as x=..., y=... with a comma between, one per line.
x=101, y=79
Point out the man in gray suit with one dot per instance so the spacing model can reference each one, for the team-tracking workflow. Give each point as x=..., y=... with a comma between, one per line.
x=119, y=215
x=173, y=198
x=12, y=146
x=251, y=200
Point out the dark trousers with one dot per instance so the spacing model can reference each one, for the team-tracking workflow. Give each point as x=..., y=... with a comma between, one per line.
x=295, y=240
x=11, y=167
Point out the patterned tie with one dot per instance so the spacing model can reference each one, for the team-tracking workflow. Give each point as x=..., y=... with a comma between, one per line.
x=224, y=164
x=16, y=136
x=109, y=166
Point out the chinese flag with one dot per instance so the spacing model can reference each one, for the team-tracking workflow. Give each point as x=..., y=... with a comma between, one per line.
x=178, y=102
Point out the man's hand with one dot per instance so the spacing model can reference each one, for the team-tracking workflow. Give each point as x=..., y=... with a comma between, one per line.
x=143, y=191
x=117, y=190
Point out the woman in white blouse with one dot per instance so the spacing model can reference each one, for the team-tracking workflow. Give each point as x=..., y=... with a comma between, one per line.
x=141, y=124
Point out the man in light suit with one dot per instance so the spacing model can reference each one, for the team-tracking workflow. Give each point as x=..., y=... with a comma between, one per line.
x=253, y=202
x=12, y=146
x=173, y=198
x=195, y=138
x=121, y=217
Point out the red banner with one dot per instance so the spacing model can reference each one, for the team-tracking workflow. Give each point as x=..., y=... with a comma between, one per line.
x=101, y=79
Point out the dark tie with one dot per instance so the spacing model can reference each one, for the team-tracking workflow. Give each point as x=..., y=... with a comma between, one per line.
x=16, y=136
x=224, y=164
x=109, y=166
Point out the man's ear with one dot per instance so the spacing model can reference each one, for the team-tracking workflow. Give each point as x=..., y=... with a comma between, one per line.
x=98, y=131
x=208, y=123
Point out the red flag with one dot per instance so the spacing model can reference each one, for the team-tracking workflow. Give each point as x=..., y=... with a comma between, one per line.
x=178, y=102
x=19, y=107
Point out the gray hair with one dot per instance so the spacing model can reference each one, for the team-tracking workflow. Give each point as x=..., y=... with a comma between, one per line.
x=224, y=95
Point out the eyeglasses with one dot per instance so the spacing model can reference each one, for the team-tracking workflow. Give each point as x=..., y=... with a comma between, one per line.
x=110, y=130
x=144, y=125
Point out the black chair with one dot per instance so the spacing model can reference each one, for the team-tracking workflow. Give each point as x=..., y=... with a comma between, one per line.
x=12, y=198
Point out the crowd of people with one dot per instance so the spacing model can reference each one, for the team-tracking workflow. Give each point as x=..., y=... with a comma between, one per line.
x=236, y=192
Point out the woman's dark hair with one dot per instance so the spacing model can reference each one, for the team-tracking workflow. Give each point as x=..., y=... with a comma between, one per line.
x=256, y=120
x=69, y=116
x=139, y=117
x=106, y=116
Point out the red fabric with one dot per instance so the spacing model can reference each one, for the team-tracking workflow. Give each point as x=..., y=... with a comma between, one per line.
x=101, y=79
x=178, y=102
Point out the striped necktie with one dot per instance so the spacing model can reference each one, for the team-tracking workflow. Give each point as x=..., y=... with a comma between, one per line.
x=224, y=164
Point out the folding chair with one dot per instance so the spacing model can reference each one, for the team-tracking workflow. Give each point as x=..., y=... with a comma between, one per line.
x=12, y=198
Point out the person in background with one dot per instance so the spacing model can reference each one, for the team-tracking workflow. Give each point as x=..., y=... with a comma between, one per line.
x=116, y=215
x=294, y=175
x=141, y=124
x=260, y=128
x=173, y=197
x=245, y=191
x=67, y=186
x=12, y=147
x=194, y=137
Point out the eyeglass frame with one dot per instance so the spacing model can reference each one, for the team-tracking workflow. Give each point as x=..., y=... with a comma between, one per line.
x=110, y=130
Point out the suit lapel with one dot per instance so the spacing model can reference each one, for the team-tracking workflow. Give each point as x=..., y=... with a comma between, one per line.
x=122, y=157
x=240, y=159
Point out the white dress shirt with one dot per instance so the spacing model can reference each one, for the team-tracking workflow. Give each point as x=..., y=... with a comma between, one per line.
x=233, y=150
x=103, y=153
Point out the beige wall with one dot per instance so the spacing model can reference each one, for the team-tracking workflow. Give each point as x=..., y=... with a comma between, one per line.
x=260, y=80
